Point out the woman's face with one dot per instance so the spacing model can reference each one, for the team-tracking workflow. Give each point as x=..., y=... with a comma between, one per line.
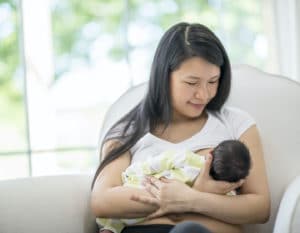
x=192, y=86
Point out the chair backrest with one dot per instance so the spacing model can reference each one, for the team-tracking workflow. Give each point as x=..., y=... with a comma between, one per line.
x=274, y=102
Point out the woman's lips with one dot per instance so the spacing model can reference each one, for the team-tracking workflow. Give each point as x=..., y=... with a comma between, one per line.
x=197, y=106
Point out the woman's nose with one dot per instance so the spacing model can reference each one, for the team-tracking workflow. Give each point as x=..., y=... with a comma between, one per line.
x=202, y=93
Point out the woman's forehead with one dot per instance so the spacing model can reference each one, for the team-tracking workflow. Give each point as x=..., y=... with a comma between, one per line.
x=197, y=67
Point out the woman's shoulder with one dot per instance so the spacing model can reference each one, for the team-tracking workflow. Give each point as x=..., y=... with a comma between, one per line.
x=228, y=112
x=234, y=112
x=236, y=119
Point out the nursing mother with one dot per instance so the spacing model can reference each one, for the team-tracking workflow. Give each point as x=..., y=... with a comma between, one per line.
x=183, y=109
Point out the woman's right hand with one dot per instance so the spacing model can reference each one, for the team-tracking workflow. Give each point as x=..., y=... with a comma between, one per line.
x=205, y=183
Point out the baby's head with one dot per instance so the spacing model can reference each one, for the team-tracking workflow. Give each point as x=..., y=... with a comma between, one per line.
x=231, y=161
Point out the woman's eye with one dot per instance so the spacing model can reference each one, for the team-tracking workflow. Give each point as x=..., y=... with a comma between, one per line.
x=213, y=82
x=191, y=84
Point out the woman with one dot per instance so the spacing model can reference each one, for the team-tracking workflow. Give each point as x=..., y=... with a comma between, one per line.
x=183, y=107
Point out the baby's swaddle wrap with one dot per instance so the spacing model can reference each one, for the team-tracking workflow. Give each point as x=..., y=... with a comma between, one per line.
x=183, y=166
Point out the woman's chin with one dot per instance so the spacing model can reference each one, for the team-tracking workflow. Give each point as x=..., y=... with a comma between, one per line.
x=194, y=116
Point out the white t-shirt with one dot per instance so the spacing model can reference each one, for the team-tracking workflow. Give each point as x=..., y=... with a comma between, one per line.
x=229, y=123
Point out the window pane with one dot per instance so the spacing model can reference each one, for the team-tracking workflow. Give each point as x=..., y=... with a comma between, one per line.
x=68, y=162
x=90, y=72
x=12, y=116
x=244, y=32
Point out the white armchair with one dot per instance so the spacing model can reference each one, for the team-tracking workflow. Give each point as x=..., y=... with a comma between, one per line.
x=61, y=204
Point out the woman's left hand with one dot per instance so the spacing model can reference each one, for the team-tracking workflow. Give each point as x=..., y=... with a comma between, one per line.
x=170, y=196
x=205, y=183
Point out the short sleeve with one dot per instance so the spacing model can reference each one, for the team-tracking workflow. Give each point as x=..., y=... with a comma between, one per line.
x=238, y=121
x=116, y=132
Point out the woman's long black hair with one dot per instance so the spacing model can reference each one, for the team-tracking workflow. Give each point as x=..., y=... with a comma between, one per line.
x=180, y=42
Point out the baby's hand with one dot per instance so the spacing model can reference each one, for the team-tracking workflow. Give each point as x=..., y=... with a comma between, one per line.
x=205, y=183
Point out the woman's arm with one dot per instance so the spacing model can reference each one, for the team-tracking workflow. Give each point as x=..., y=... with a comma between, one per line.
x=252, y=206
x=109, y=199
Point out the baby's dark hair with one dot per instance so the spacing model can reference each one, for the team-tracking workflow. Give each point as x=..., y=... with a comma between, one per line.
x=231, y=161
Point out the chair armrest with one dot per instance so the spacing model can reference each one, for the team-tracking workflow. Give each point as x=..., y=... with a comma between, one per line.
x=47, y=204
x=289, y=209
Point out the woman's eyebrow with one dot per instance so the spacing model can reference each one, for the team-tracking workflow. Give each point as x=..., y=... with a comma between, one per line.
x=196, y=77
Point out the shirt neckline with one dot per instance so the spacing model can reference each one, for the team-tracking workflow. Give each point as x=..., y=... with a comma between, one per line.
x=202, y=132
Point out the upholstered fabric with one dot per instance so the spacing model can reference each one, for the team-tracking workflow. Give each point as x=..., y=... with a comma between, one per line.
x=57, y=204
x=288, y=217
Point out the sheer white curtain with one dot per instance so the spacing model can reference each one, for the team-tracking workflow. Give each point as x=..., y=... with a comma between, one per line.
x=286, y=17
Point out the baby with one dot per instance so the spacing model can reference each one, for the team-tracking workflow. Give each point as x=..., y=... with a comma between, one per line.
x=231, y=162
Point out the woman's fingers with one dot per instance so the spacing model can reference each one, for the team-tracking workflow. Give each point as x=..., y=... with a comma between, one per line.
x=238, y=184
x=156, y=182
x=153, y=186
x=152, y=189
x=165, y=180
x=156, y=214
x=235, y=185
x=225, y=187
x=145, y=200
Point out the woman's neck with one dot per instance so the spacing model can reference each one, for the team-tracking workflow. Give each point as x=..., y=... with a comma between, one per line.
x=188, y=120
x=182, y=124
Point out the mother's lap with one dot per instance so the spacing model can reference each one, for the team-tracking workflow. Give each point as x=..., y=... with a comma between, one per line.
x=210, y=223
